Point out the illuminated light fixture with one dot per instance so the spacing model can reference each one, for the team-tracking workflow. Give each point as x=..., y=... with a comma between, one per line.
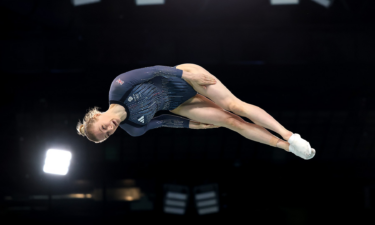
x=149, y=2
x=69, y=196
x=57, y=162
x=123, y=194
x=325, y=3
x=284, y=2
x=83, y=2
x=175, y=199
x=206, y=199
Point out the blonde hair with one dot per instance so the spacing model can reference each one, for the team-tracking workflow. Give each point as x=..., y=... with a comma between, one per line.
x=88, y=121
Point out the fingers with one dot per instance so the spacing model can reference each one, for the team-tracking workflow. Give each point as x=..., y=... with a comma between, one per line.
x=209, y=79
x=206, y=80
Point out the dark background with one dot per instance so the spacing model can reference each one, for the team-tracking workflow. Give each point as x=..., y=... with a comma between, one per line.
x=308, y=66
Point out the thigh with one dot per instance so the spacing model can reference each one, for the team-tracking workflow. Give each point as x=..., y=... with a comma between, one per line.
x=202, y=109
x=217, y=92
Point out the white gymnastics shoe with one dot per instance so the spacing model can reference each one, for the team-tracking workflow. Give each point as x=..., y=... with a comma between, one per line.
x=300, y=147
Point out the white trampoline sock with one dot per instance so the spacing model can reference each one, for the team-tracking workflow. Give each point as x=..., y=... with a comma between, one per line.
x=300, y=147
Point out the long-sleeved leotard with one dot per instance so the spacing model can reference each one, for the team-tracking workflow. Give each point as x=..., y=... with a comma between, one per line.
x=147, y=90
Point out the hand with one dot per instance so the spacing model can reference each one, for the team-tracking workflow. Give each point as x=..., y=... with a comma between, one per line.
x=202, y=79
x=198, y=125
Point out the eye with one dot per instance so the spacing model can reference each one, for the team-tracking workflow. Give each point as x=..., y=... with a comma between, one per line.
x=106, y=133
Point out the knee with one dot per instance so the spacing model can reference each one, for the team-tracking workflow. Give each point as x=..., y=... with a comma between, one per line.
x=236, y=106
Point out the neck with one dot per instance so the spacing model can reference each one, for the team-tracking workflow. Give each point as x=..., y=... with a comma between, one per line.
x=118, y=111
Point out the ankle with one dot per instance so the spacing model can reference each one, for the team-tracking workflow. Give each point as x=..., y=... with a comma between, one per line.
x=287, y=135
x=283, y=145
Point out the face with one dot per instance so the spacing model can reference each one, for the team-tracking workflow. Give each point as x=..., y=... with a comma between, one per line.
x=105, y=126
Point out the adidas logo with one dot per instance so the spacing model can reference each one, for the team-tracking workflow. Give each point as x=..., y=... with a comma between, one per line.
x=142, y=119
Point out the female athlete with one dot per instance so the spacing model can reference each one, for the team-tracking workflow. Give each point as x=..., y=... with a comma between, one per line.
x=190, y=91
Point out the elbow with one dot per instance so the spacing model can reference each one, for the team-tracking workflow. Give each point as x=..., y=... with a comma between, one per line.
x=135, y=134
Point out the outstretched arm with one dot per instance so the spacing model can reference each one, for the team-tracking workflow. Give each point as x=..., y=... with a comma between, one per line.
x=176, y=121
x=159, y=121
x=168, y=121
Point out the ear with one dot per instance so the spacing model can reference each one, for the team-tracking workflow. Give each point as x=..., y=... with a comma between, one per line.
x=96, y=115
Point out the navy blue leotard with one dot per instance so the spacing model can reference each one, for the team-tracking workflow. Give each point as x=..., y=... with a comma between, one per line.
x=145, y=91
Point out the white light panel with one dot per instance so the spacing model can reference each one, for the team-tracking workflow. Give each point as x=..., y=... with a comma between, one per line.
x=171, y=210
x=176, y=195
x=57, y=161
x=284, y=2
x=83, y=2
x=325, y=3
x=206, y=203
x=149, y=2
x=205, y=195
x=208, y=210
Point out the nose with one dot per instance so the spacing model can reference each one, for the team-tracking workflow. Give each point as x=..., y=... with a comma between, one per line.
x=111, y=125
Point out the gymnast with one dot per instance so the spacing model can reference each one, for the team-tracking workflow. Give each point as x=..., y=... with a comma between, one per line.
x=186, y=90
